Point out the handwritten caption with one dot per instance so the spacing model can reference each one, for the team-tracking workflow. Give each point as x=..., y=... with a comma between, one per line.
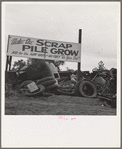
x=66, y=118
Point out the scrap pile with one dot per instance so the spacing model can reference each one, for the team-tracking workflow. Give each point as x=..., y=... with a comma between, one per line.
x=99, y=84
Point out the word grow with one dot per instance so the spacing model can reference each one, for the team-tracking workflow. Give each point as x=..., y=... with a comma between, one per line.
x=54, y=47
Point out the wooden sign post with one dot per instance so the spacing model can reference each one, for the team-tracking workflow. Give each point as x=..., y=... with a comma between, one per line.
x=79, y=63
x=8, y=57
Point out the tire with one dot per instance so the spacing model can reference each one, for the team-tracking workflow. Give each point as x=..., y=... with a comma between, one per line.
x=25, y=83
x=40, y=92
x=87, y=89
x=51, y=87
x=48, y=83
x=65, y=93
x=44, y=79
x=23, y=86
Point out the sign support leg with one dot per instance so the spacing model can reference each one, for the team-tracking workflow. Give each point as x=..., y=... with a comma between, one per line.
x=10, y=62
x=79, y=63
x=7, y=60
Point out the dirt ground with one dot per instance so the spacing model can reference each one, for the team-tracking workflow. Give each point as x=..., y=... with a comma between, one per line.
x=56, y=105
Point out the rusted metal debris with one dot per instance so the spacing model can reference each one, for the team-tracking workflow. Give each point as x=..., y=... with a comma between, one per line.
x=99, y=84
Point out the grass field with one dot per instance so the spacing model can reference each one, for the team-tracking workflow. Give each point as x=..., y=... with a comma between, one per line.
x=56, y=105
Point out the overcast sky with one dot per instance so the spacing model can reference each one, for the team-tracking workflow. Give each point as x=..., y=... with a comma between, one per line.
x=61, y=21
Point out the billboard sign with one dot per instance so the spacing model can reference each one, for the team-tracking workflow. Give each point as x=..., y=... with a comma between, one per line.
x=44, y=49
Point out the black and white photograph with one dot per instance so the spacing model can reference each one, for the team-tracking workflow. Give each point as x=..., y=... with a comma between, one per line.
x=61, y=60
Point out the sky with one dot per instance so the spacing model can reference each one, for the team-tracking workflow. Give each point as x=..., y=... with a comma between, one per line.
x=61, y=21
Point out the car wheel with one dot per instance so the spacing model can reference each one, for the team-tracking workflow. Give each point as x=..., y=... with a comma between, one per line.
x=40, y=92
x=23, y=86
x=87, y=88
